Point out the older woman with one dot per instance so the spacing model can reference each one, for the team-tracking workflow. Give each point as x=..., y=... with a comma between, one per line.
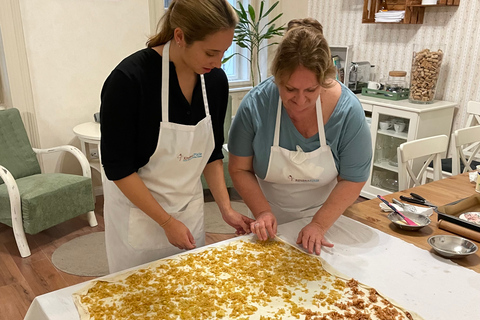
x=299, y=143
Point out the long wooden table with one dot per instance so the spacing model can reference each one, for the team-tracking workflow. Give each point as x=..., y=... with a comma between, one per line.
x=439, y=193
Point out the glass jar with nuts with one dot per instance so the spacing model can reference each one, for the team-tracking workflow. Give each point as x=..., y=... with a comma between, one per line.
x=426, y=65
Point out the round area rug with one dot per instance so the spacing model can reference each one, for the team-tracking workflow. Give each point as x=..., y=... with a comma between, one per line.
x=214, y=222
x=83, y=256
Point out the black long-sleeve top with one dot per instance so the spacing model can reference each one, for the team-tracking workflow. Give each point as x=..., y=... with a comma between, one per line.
x=130, y=111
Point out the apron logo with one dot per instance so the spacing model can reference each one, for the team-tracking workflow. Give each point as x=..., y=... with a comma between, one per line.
x=180, y=157
x=291, y=178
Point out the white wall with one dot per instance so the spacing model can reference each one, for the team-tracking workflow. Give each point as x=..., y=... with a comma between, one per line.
x=72, y=45
x=390, y=46
x=291, y=9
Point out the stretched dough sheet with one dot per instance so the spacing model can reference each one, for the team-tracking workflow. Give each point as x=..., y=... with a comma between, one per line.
x=242, y=279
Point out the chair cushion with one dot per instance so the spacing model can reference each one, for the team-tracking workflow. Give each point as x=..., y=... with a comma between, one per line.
x=447, y=165
x=48, y=199
x=16, y=153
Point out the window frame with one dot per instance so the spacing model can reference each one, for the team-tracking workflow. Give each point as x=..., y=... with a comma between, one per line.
x=241, y=76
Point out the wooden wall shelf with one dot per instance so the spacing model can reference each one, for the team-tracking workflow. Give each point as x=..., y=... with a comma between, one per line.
x=414, y=10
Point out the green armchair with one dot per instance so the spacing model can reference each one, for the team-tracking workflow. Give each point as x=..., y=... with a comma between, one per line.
x=32, y=201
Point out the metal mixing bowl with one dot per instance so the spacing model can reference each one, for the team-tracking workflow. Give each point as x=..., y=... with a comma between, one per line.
x=419, y=219
x=452, y=246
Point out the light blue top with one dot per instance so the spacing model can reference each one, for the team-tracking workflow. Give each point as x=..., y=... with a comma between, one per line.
x=347, y=132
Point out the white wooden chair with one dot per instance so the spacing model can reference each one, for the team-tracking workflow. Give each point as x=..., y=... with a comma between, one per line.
x=466, y=142
x=409, y=155
x=449, y=165
x=473, y=119
x=473, y=111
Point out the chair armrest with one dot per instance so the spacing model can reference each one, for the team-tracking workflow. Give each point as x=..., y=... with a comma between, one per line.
x=86, y=171
x=10, y=183
x=15, y=210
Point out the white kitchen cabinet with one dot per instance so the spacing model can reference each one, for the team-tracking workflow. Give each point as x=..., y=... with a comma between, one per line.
x=421, y=120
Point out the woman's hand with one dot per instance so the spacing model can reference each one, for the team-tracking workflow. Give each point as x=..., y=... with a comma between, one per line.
x=179, y=235
x=264, y=226
x=237, y=220
x=312, y=237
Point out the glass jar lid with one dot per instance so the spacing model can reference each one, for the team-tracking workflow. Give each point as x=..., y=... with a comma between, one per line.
x=397, y=73
x=396, y=81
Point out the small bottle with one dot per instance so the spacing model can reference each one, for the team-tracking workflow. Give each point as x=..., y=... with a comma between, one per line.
x=477, y=184
x=383, y=6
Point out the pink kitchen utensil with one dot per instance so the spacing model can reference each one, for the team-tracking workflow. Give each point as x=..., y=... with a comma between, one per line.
x=407, y=220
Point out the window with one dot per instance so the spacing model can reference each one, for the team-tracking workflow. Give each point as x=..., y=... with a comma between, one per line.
x=236, y=68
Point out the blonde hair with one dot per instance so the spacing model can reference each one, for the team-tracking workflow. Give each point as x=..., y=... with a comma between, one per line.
x=304, y=45
x=197, y=19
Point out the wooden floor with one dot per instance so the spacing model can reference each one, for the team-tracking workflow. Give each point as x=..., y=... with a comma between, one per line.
x=22, y=279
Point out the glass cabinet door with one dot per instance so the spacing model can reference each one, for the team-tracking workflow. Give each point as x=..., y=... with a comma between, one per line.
x=390, y=128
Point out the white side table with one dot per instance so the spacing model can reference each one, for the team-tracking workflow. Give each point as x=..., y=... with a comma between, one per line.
x=89, y=135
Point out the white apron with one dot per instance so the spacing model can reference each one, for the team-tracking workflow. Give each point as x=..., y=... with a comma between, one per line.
x=173, y=177
x=298, y=183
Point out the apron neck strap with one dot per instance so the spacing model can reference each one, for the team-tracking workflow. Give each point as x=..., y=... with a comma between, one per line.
x=321, y=129
x=204, y=94
x=276, y=137
x=165, y=84
x=165, y=80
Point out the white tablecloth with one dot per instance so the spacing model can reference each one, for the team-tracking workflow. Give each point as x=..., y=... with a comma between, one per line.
x=420, y=281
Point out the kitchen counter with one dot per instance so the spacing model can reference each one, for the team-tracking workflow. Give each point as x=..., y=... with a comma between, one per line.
x=405, y=105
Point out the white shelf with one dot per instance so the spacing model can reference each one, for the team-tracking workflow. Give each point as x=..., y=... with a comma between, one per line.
x=386, y=166
x=393, y=133
x=405, y=105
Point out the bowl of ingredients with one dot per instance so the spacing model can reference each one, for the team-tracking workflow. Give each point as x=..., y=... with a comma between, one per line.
x=452, y=246
x=420, y=220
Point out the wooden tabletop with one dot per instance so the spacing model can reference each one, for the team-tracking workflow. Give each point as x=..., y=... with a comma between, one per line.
x=440, y=193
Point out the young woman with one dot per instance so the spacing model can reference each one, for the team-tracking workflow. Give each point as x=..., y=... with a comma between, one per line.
x=299, y=143
x=162, y=117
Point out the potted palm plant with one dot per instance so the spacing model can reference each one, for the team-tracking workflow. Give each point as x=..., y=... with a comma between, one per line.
x=252, y=31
